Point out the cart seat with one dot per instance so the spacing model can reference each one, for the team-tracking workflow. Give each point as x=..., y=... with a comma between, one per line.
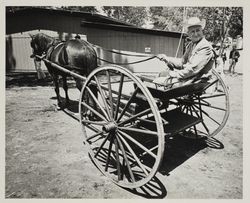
x=189, y=89
x=194, y=85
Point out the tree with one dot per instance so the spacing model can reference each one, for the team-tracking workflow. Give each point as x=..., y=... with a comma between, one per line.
x=167, y=18
x=133, y=15
x=220, y=21
x=236, y=22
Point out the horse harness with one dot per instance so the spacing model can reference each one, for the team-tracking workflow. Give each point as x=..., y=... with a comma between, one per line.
x=55, y=44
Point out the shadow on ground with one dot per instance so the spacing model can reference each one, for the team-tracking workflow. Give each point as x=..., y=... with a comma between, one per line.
x=178, y=149
x=28, y=79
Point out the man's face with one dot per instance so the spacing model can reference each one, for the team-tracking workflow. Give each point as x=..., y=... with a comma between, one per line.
x=195, y=33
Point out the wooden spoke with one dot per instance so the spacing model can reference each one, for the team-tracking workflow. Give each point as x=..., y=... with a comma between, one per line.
x=117, y=159
x=204, y=112
x=137, y=143
x=103, y=97
x=213, y=107
x=146, y=120
x=97, y=102
x=184, y=108
x=110, y=94
x=109, y=152
x=128, y=103
x=134, y=155
x=135, y=130
x=204, y=104
x=101, y=146
x=206, y=128
x=126, y=159
x=212, y=96
x=135, y=116
x=101, y=123
x=212, y=83
x=152, y=149
x=93, y=136
x=92, y=128
x=195, y=100
x=191, y=113
x=204, y=125
x=123, y=165
x=119, y=96
x=204, y=101
x=94, y=111
x=194, y=110
x=126, y=113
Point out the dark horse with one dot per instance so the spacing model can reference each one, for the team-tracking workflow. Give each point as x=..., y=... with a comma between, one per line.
x=75, y=55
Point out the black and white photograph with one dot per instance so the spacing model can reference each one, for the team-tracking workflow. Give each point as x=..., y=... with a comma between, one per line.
x=114, y=101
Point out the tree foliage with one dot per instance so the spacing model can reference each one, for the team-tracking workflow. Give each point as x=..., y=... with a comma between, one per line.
x=167, y=18
x=133, y=15
x=220, y=21
x=236, y=22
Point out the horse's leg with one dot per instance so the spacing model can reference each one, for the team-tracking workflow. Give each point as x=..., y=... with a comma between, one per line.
x=79, y=84
x=56, y=83
x=65, y=87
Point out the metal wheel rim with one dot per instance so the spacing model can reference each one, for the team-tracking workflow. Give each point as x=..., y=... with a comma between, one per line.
x=226, y=107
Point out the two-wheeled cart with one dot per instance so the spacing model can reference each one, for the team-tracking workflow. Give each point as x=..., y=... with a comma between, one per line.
x=126, y=117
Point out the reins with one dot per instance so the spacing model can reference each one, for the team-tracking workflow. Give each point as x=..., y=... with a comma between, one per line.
x=134, y=62
x=150, y=56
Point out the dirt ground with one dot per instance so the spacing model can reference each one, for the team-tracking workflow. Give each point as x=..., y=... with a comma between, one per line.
x=45, y=156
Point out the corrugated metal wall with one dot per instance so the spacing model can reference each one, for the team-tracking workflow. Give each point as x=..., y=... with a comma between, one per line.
x=135, y=42
x=20, y=53
x=21, y=49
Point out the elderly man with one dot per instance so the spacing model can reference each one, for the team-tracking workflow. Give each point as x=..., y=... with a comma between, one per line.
x=198, y=54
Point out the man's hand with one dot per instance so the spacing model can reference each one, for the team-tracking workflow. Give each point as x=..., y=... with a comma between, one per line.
x=173, y=74
x=161, y=80
x=163, y=57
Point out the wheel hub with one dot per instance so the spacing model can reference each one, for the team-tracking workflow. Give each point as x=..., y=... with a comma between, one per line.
x=110, y=127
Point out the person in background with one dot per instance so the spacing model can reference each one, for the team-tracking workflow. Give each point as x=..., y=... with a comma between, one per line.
x=234, y=56
x=197, y=55
x=224, y=58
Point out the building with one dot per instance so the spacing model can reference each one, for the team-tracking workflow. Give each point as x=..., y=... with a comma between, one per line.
x=105, y=32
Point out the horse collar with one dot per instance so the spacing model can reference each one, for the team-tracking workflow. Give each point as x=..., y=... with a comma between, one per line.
x=52, y=48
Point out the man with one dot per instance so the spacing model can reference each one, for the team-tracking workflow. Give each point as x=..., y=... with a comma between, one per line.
x=224, y=58
x=198, y=54
x=233, y=56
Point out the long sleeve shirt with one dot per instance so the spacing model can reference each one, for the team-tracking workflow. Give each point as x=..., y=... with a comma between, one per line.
x=195, y=58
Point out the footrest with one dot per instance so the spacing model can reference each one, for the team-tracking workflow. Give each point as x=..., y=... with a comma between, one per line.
x=178, y=121
x=175, y=121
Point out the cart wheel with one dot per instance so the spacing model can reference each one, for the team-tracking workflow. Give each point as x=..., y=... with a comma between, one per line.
x=128, y=154
x=212, y=106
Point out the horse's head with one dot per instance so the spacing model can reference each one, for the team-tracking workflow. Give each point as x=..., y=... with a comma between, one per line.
x=40, y=44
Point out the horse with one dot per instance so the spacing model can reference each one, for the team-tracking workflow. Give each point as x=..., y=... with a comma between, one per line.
x=75, y=54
